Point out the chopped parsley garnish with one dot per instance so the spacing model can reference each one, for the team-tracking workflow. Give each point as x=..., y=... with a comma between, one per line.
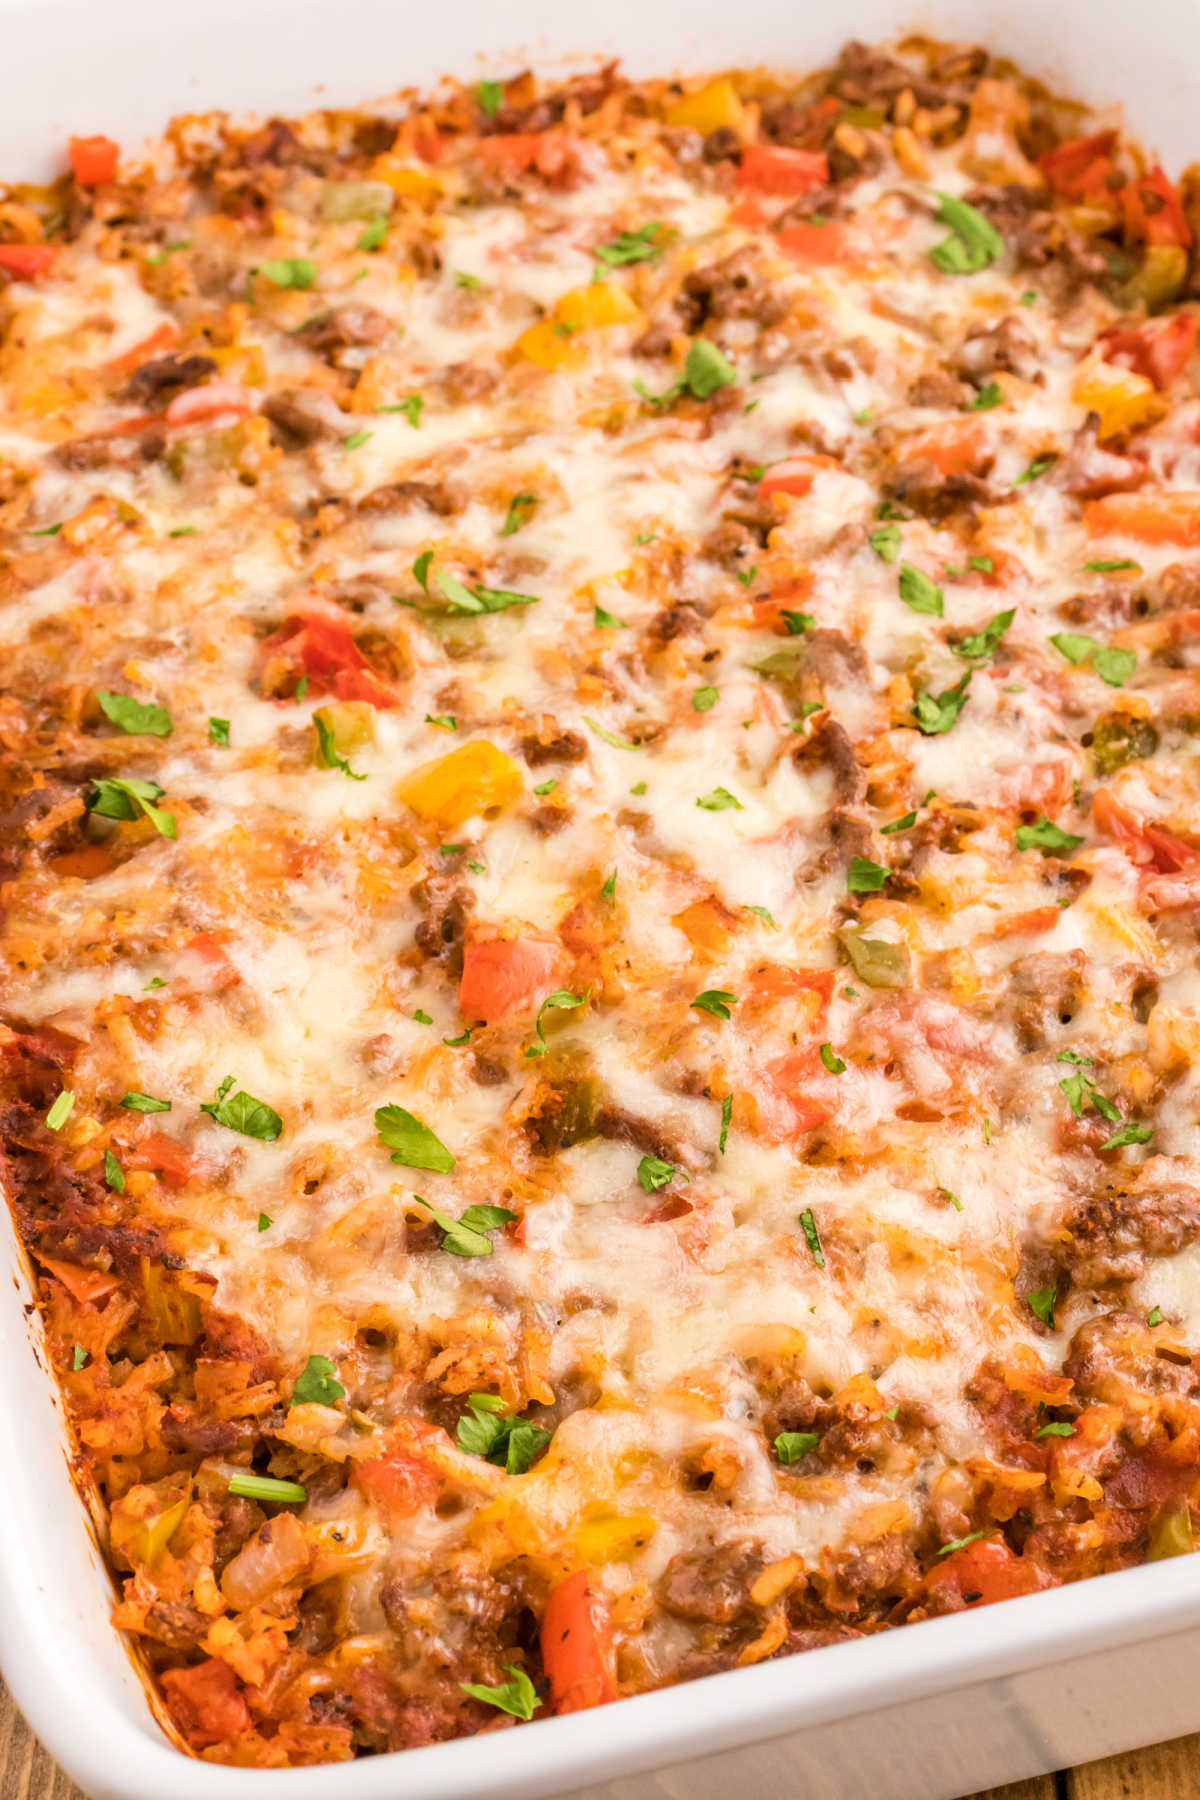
x=936, y=713
x=760, y=912
x=796, y=622
x=639, y=787
x=447, y=721
x=546, y=787
x=973, y=243
x=864, y=876
x=411, y=407
x=182, y=531
x=1056, y=1428
x=60, y=1112
x=317, y=1384
x=289, y=272
x=726, y=1119
x=114, y=1174
x=144, y=1103
x=265, y=1221
x=116, y=799
x=518, y=513
x=411, y=1142
x=1037, y=467
x=987, y=398
x=477, y=599
x=218, y=732
x=468, y=1236
x=606, y=621
x=373, y=235
x=653, y=1173
x=917, y=591
x=518, y=1696
x=491, y=1431
x=463, y=279
x=790, y=1446
x=903, y=823
x=46, y=531
x=269, y=1488
x=831, y=1060
x=744, y=577
x=642, y=245
x=1111, y=665
x=705, y=370
x=885, y=542
x=561, y=1001
x=301, y=688
x=422, y=1017
x=982, y=565
x=135, y=717
x=609, y=890
x=1082, y=1093
x=456, y=1043
x=79, y=1357
x=160, y=256
x=961, y=1543
x=1047, y=837
x=954, y=1200
x=720, y=800
x=704, y=699
x=357, y=439
x=980, y=644
x=330, y=755
x=811, y=1236
x=1041, y=1305
x=1106, y=565
x=715, y=1001
x=242, y=1112
x=1128, y=1133
x=490, y=95
x=1154, y=1316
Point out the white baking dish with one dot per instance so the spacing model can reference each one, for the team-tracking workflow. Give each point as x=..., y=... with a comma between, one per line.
x=934, y=1710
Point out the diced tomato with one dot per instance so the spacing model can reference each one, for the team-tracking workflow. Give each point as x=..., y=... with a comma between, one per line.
x=212, y=951
x=87, y=1286
x=954, y=447
x=816, y=243
x=1164, y=518
x=1079, y=169
x=795, y=475
x=790, y=1080
x=26, y=262
x=1026, y=924
x=161, y=338
x=206, y=1703
x=985, y=1571
x=771, y=170
x=327, y=653
x=403, y=1483
x=551, y=153
x=165, y=1155
x=84, y=864
x=1142, y=841
x=773, y=981
x=502, y=976
x=427, y=143
x=1153, y=213
x=1160, y=349
x=577, y=1647
x=94, y=160
x=209, y=402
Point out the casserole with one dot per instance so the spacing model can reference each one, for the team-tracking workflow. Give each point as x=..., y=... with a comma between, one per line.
x=557, y=1728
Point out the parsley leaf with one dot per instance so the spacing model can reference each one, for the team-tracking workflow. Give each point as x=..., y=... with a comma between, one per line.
x=790, y=1446
x=563, y=1000
x=1113, y=666
x=704, y=699
x=960, y=1543
x=831, y=1060
x=1128, y=1133
x=903, y=823
x=79, y=1357
x=135, y=717
x=917, y=591
x=987, y=398
x=936, y=713
x=317, y=1384
x=491, y=1431
x=329, y=750
x=642, y=245
x=1056, y=1428
x=980, y=644
x=145, y=1103
x=973, y=243
x=715, y=1001
x=490, y=95
x=1082, y=1093
x=1111, y=565
x=760, y=912
x=653, y=1173
x=372, y=235
x=447, y=721
x=289, y=272
x=720, y=800
x=518, y=1696
x=1037, y=467
x=864, y=876
x=726, y=1118
x=1047, y=837
x=1041, y=1305
x=60, y=1112
x=411, y=1142
x=242, y=1112
x=546, y=787
x=218, y=732
x=114, y=1174
x=467, y=1236
x=706, y=369
x=606, y=621
x=885, y=542
x=517, y=514
x=796, y=622
x=811, y=1236
x=609, y=890
x=115, y=799
x=265, y=1221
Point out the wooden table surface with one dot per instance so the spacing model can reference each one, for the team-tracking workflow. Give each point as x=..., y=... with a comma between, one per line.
x=1166, y=1772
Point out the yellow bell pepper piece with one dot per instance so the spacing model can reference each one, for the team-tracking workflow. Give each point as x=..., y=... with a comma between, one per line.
x=614, y=1537
x=1122, y=398
x=550, y=345
x=472, y=779
x=409, y=183
x=600, y=303
x=1171, y=1534
x=708, y=108
x=144, y=1520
